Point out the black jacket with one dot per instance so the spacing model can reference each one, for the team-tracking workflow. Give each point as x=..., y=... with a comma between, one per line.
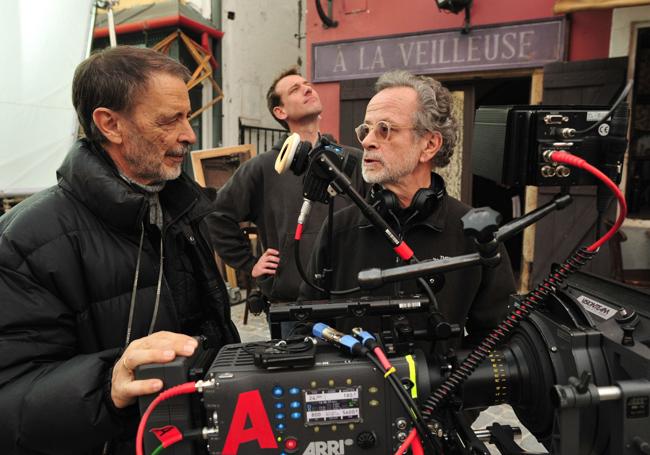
x=67, y=263
x=257, y=193
x=475, y=298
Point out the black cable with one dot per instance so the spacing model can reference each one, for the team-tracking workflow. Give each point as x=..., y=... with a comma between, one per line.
x=303, y=275
x=409, y=406
x=620, y=98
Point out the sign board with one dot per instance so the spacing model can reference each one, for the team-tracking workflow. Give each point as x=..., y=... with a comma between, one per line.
x=495, y=47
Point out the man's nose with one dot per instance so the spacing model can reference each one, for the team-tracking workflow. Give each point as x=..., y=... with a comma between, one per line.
x=188, y=134
x=369, y=141
x=308, y=89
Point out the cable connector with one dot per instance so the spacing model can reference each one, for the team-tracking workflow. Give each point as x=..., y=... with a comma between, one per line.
x=333, y=336
x=202, y=433
x=205, y=384
x=548, y=155
x=366, y=338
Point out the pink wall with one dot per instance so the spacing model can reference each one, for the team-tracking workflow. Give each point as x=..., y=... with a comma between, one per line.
x=588, y=39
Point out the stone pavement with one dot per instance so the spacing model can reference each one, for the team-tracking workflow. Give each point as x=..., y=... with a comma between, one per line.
x=257, y=330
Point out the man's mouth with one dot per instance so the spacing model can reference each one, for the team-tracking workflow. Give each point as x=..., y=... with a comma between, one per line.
x=370, y=161
x=177, y=155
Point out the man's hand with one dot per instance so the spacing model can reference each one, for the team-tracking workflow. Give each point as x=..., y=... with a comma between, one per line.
x=267, y=263
x=160, y=347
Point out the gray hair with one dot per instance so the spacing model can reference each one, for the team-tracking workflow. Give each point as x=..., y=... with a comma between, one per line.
x=435, y=112
x=115, y=78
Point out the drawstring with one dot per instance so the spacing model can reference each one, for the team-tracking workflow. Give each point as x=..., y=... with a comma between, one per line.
x=160, y=275
x=135, y=288
x=136, y=276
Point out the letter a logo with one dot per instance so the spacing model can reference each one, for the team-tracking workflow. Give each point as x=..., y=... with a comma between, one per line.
x=249, y=406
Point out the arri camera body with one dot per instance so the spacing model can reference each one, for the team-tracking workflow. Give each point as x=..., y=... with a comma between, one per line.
x=576, y=374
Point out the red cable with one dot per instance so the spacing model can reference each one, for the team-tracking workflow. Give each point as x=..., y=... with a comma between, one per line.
x=181, y=389
x=416, y=447
x=382, y=358
x=407, y=442
x=572, y=160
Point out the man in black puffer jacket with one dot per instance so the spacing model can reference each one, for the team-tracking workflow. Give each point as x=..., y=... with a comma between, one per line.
x=108, y=270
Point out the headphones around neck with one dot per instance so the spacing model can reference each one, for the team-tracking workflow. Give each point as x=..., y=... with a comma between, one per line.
x=424, y=201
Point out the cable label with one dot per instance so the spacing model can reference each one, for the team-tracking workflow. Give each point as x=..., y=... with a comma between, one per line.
x=167, y=435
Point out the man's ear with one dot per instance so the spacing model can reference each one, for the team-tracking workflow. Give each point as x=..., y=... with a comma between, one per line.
x=108, y=122
x=432, y=146
x=279, y=113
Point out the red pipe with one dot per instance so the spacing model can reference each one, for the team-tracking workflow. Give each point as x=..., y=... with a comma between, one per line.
x=159, y=22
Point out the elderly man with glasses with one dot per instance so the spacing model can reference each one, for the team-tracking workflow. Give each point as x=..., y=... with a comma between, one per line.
x=408, y=131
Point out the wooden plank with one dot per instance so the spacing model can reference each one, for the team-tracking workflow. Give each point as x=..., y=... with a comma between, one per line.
x=531, y=203
x=570, y=6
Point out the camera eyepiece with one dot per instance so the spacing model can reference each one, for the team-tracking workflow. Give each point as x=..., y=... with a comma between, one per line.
x=294, y=155
x=316, y=163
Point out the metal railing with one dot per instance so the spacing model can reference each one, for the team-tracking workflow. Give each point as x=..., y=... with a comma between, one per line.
x=262, y=138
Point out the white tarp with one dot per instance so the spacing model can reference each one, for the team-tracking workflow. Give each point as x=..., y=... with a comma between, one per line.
x=42, y=41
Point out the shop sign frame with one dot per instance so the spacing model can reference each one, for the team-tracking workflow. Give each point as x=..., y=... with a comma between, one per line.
x=530, y=44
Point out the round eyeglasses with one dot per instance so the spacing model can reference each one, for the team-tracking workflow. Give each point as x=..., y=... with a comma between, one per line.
x=382, y=130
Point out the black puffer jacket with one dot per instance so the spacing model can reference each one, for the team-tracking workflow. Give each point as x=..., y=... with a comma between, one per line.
x=67, y=263
x=257, y=193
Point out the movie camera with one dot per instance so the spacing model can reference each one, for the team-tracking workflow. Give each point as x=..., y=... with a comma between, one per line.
x=572, y=358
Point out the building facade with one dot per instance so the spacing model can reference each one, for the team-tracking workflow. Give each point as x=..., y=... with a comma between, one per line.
x=508, y=53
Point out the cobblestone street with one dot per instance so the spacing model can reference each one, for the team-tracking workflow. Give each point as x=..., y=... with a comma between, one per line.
x=257, y=330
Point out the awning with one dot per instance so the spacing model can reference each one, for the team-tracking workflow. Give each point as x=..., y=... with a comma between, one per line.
x=569, y=6
x=155, y=16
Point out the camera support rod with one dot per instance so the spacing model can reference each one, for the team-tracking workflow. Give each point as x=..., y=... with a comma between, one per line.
x=343, y=184
x=376, y=277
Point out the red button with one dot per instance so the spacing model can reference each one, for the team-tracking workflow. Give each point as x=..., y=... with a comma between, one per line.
x=290, y=444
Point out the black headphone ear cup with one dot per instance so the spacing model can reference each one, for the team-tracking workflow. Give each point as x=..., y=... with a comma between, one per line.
x=424, y=201
x=390, y=200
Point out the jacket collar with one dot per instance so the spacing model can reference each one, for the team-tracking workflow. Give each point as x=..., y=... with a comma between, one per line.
x=89, y=173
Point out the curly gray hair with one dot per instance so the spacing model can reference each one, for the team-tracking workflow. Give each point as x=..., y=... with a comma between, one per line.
x=435, y=111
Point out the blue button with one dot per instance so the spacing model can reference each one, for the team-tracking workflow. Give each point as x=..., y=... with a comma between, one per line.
x=283, y=453
x=279, y=416
x=295, y=415
x=277, y=391
x=294, y=391
x=295, y=404
x=280, y=426
x=279, y=405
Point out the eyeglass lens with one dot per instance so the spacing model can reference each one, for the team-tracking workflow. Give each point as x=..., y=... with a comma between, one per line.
x=382, y=130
